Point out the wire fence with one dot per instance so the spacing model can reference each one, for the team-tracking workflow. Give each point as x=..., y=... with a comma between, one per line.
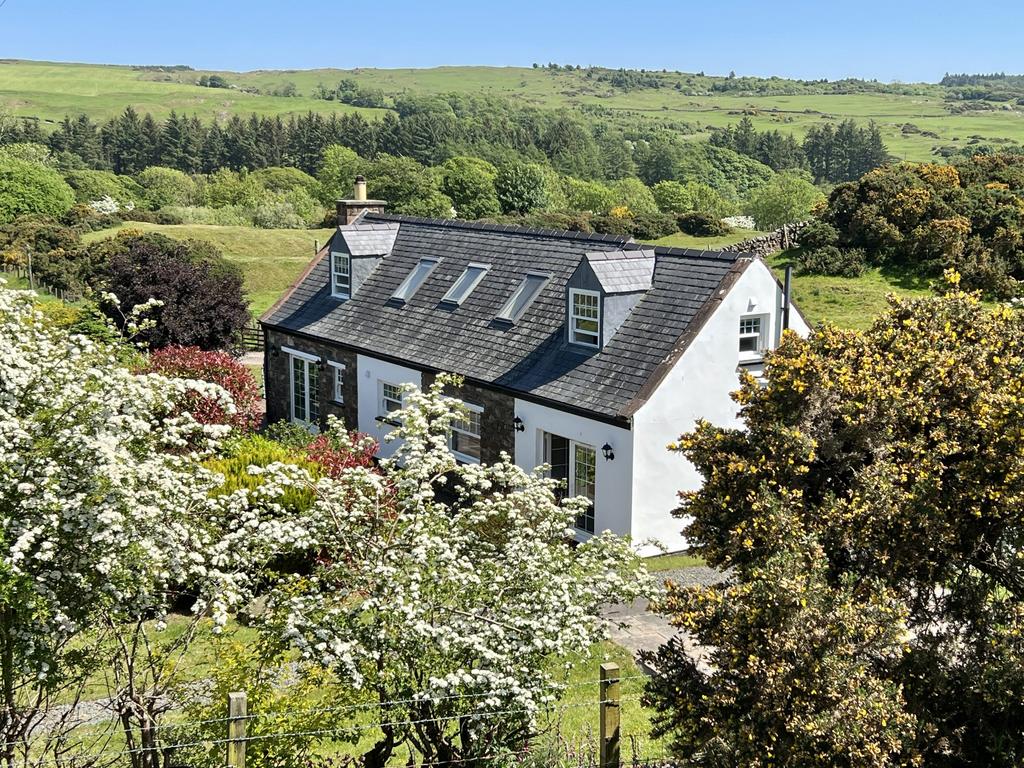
x=170, y=743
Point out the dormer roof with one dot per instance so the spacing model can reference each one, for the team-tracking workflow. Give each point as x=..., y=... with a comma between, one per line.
x=372, y=238
x=623, y=271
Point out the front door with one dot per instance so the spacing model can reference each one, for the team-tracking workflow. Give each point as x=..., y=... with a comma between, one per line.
x=576, y=464
x=305, y=394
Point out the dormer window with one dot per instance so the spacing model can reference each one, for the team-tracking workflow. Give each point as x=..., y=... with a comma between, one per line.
x=585, y=317
x=414, y=280
x=753, y=336
x=341, y=275
x=464, y=286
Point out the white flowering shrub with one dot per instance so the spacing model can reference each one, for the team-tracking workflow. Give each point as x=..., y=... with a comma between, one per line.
x=105, y=205
x=104, y=509
x=442, y=592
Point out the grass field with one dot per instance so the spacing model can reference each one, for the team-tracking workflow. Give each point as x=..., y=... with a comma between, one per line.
x=270, y=259
x=51, y=90
x=849, y=302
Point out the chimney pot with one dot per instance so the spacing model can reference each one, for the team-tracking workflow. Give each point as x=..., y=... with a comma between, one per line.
x=360, y=188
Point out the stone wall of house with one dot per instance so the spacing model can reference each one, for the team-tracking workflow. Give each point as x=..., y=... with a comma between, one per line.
x=764, y=245
x=497, y=432
x=278, y=383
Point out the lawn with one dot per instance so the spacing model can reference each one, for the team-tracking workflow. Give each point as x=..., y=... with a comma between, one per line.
x=849, y=302
x=682, y=240
x=270, y=259
x=573, y=720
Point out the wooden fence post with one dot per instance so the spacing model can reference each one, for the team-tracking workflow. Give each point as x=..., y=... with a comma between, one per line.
x=237, y=721
x=610, y=716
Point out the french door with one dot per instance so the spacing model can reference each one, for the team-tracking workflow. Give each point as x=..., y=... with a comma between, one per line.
x=576, y=464
x=305, y=390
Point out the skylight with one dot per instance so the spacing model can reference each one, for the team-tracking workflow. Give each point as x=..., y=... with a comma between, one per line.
x=523, y=296
x=414, y=279
x=464, y=286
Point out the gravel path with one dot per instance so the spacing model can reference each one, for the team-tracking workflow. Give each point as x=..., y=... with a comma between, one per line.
x=635, y=627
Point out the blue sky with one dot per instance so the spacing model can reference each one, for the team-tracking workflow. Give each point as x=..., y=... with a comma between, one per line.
x=895, y=40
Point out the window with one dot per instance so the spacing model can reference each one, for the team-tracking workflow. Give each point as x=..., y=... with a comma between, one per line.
x=390, y=400
x=414, y=279
x=338, y=388
x=585, y=318
x=341, y=275
x=584, y=474
x=576, y=464
x=465, y=435
x=467, y=281
x=305, y=387
x=752, y=336
x=522, y=297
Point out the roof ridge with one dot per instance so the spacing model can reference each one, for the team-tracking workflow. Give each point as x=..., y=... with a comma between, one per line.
x=695, y=253
x=559, y=234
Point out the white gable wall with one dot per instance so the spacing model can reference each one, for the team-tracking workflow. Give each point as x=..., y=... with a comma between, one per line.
x=613, y=480
x=698, y=386
x=370, y=371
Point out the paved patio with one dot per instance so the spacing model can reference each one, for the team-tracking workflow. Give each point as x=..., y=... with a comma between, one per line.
x=644, y=630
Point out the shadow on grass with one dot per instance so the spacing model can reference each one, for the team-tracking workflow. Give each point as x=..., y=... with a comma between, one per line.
x=907, y=278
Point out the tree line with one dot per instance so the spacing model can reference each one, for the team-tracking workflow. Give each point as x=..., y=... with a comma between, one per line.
x=832, y=155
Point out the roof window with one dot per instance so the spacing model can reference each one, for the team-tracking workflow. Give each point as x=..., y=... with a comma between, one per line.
x=414, y=279
x=464, y=286
x=522, y=297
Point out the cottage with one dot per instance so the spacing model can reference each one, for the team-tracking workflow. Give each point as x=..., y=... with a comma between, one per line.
x=586, y=352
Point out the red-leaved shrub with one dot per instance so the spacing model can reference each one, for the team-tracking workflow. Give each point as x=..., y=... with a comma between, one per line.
x=341, y=450
x=217, y=368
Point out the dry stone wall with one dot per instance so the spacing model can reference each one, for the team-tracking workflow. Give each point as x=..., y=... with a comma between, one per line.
x=770, y=242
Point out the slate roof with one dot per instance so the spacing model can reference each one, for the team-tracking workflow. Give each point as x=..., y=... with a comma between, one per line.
x=623, y=271
x=370, y=239
x=531, y=356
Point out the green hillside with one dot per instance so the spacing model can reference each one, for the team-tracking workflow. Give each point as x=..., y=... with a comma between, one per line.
x=915, y=119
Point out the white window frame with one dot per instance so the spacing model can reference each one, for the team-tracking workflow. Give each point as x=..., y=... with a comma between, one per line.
x=383, y=414
x=337, y=381
x=761, y=336
x=346, y=291
x=418, y=275
x=464, y=284
x=573, y=317
x=506, y=313
x=312, y=394
x=572, y=488
x=465, y=458
x=590, y=514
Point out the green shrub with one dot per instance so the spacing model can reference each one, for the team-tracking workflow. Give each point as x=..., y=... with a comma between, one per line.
x=818, y=234
x=261, y=451
x=276, y=179
x=27, y=188
x=613, y=225
x=166, y=186
x=831, y=260
x=93, y=185
x=292, y=436
x=651, y=226
x=227, y=216
x=702, y=225
x=163, y=216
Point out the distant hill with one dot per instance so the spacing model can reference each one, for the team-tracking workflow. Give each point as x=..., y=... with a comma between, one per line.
x=916, y=119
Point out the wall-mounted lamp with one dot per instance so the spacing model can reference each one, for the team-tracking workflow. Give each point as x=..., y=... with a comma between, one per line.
x=518, y=424
x=609, y=454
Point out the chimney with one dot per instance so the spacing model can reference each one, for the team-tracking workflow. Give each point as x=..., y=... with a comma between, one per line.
x=351, y=209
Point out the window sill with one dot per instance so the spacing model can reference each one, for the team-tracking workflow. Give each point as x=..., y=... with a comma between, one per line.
x=464, y=459
x=751, y=359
